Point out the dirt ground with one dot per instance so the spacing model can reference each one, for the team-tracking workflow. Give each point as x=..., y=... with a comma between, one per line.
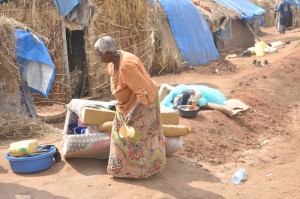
x=263, y=139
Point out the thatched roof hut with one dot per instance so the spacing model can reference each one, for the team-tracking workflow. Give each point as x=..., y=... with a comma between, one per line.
x=220, y=17
x=43, y=17
x=14, y=121
x=127, y=21
x=167, y=57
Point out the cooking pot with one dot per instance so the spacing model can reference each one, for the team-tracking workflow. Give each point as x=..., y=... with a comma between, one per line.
x=185, y=112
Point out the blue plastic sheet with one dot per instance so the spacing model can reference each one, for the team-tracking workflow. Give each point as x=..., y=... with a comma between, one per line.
x=65, y=6
x=191, y=31
x=245, y=9
x=35, y=61
x=210, y=95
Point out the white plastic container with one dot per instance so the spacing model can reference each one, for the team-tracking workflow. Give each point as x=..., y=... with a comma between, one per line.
x=277, y=44
x=238, y=176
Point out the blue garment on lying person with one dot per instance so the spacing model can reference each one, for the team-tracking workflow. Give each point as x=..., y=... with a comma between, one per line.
x=209, y=95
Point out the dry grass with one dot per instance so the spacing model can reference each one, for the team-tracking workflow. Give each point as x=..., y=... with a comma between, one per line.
x=16, y=126
x=9, y=76
x=216, y=13
x=9, y=69
x=129, y=23
x=42, y=17
x=167, y=57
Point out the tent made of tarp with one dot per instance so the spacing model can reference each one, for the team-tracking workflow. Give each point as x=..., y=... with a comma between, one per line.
x=191, y=32
x=245, y=9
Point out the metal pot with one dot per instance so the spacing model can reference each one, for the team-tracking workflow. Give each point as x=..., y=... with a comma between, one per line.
x=187, y=113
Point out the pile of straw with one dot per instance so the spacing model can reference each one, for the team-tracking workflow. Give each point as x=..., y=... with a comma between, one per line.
x=13, y=124
x=129, y=23
x=167, y=57
x=20, y=126
x=9, y=76
x=43, y=17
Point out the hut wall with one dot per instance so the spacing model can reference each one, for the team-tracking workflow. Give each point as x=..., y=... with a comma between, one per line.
x=129, y=23
x=240, y=32
x=43, y=17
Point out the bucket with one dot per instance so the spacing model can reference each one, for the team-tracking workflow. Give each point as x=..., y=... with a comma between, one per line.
x=32, y=164
x=259, y=47
x=126, y=131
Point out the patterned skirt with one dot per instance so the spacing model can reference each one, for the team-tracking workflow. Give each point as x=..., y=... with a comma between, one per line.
x=144, y=154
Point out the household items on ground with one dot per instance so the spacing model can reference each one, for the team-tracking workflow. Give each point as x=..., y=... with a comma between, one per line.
x=27, y=156
x=80, y=140
x=262, y=48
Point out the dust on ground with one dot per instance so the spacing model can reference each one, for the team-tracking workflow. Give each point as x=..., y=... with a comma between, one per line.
x=263, y=139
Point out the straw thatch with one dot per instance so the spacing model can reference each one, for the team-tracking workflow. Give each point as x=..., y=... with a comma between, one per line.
x=216, y=15
x=10, y=99
x=42, y=16
x=126, y=21
x=167, y=57
x=214, y=12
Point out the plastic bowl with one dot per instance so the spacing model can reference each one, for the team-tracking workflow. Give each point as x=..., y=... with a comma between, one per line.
x=187, y=113
x=31, y=164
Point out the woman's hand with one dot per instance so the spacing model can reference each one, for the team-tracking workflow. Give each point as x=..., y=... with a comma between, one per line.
x=129, y=119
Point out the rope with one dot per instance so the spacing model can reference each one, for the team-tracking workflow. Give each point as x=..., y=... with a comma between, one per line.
x=253, y=32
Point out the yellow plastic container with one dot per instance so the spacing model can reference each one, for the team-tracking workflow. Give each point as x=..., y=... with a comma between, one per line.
x=259, y=48
x=22, y=148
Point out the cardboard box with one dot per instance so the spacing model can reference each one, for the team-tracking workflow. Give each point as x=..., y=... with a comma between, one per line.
x=95, y=116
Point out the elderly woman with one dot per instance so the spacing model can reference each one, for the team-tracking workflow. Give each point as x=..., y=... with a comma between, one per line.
x=137, y=106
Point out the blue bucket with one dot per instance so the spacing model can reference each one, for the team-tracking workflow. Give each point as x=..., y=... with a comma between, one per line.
x=32, y=164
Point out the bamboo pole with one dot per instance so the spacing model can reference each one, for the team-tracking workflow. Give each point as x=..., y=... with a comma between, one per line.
x=65, y=54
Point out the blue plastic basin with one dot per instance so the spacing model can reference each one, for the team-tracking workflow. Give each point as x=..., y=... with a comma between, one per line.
x=31, y=164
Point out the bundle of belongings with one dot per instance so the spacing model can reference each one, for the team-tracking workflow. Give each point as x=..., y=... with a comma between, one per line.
x=82, y=137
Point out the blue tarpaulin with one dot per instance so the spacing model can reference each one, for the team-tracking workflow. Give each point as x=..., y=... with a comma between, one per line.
x=65, y=6
x=245, y=9
x=191, y=31
x=36, y=64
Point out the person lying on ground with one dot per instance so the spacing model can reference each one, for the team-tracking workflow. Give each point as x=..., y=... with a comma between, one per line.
x=206, y=98
x=137, y=106
x=188, y=97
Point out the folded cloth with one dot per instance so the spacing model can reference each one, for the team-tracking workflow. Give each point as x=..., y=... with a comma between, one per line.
x=235, y=106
